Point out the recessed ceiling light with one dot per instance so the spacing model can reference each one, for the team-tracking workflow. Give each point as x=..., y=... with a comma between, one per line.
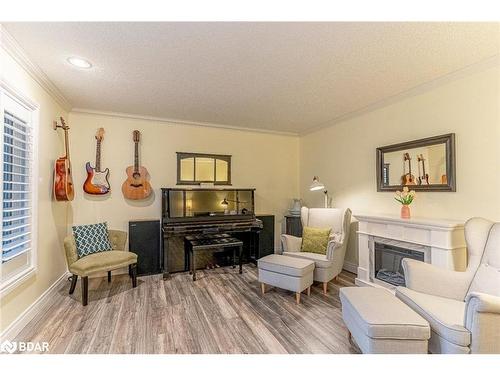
x=79, y=62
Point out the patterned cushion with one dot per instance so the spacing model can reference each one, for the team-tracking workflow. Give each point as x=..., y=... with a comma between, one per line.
x=315, y=240
x=91, y=239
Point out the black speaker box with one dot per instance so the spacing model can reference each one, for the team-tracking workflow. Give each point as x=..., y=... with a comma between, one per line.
x=266, y=237
x=145, y=241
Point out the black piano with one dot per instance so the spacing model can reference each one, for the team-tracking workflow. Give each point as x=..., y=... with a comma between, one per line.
x=206, y=211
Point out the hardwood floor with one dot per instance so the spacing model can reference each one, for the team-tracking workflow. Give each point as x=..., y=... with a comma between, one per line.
x=221, y=312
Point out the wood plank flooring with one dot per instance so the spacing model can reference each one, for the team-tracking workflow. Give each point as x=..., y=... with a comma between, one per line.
x=221, y=312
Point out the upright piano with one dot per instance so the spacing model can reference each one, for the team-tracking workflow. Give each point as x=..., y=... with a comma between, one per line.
x=189, y=211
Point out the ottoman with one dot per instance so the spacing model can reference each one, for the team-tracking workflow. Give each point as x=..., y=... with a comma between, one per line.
x=380, y=323
x=287, y=273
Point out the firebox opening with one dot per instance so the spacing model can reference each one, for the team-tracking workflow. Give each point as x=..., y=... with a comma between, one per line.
x=388, y=267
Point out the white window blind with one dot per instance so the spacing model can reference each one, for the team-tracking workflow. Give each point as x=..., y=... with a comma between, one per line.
x=17, y=186
x=18, y=133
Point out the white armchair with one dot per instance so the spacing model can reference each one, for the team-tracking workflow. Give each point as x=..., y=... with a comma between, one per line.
x=462, y=308
x=328, y=266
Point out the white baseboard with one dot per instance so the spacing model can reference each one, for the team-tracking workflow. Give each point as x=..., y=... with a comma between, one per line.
x=37, y=307
x=351, y=267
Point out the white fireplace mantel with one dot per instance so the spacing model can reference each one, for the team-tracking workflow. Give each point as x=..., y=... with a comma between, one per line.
x=441, y=240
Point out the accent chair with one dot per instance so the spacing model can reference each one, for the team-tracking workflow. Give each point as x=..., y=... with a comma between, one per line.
x=462, y=308
x=99, y=262
x=329, y=265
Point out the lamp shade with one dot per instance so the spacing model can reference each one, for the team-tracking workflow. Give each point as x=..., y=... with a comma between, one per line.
x=316, y=185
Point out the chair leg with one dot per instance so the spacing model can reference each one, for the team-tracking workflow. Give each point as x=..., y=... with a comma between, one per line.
x=325, y=288
x=74, y=279
x=133, y=270
x=308, y=290
x=85, y=290
x=109, y=276
x=263, y=288
x=297, y=298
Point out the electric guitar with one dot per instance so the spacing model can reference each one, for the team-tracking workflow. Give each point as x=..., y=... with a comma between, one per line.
x=136, y=186
x=424, y=176
x=407, y=178
x=63, y=181
x=97, y=182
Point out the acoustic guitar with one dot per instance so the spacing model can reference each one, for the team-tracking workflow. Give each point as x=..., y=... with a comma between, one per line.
x=136, y=186
x=63, y=181
x=97, y=182
x=407, y=178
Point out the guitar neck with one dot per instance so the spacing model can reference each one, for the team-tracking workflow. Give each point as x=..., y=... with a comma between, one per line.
x=136, y=157
x=98, y=156
x=66, y=142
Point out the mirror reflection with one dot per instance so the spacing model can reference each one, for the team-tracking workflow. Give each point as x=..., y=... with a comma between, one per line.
x=416, y=166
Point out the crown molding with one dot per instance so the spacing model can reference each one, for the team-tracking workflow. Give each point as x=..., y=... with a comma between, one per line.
x=477, y=67
x=10, y=45
x=180, y=122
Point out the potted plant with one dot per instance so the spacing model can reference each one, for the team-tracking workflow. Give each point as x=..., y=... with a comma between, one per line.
x=405, y=197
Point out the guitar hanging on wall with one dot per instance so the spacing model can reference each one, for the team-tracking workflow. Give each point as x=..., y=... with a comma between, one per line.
x=424, y=177
x=97, y=182
x=136, y=186
x=63, y=181
x=407, y=178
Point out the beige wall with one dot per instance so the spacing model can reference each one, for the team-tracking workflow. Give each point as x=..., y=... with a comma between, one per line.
x=267, y=162
x=343, y=155
x=51, y=216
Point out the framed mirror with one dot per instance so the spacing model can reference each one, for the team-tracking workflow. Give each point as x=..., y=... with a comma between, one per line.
x=426, y=164
x=196, y=168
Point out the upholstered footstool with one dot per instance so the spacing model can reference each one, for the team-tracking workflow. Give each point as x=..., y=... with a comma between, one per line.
x=380, y=323
x=288, y=273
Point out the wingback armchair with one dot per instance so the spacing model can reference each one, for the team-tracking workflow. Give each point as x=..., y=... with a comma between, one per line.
x=327, y=266
x=462, y=308
x=99, y=262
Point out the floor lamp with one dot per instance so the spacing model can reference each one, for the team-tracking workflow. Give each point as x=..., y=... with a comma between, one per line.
x=316, y=185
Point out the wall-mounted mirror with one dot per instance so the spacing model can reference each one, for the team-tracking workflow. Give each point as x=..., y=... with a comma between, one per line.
x=196, y=168
x=426, y=164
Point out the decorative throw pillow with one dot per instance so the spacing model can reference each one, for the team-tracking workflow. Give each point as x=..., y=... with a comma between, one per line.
x=315, y=240
x=91, y=239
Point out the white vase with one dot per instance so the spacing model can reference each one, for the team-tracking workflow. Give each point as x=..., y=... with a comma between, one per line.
x=295, y=210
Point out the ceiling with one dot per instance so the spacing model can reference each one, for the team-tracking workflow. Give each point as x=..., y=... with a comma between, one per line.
x=287, y=77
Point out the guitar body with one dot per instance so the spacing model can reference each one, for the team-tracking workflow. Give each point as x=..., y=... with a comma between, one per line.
x=408, y=179
x=63, y=182
x=426, y=178
x=137, y=185
x=97, y=183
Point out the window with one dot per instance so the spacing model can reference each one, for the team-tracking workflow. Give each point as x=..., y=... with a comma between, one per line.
x=18, y=189
x=193, y=169
x=385, y=174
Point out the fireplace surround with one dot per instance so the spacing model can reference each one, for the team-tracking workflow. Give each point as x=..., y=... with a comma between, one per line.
x=383, y=241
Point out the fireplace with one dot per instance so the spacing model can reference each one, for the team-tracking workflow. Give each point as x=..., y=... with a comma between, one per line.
x=435, y=241
x=387, y=262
